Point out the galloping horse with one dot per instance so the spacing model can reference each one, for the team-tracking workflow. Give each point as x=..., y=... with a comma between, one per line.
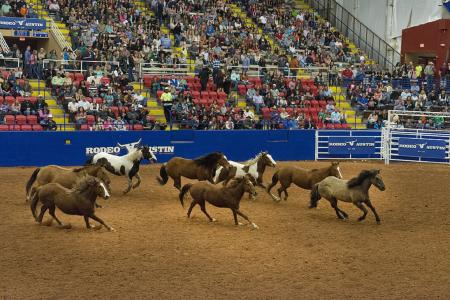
x=66, y=177
x=255, y=167
x=202, y=168
x=79, y=200
x=355, y=191
x=227, y=196
x=125, y=165
x=302, y=178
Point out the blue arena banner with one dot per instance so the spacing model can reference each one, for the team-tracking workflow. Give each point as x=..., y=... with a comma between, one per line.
x=73, y=148
x=423, y=148
x=351, y=145
x=22, y=23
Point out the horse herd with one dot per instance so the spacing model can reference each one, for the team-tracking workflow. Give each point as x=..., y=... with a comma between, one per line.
x=74, y=191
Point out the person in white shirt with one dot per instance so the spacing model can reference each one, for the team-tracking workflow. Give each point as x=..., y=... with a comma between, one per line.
x=72, y=107
x=248, y=113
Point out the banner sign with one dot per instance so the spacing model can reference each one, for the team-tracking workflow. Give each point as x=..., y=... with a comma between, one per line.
x=351, y=145
x=22, y=23
x=424, y=148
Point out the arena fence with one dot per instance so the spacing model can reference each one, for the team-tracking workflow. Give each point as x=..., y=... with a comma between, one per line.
x=348, y=144
x=416, y=145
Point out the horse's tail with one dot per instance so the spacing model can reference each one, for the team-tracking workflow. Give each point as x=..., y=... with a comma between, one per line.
x=163, y=174
x=315, y=196
x=271, y=185
x=34, y=201
x=183, y=191
x=31, y=181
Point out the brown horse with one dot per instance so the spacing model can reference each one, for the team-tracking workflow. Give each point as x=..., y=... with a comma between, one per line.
x=228, y=196
x=303, y=178
x=355, y=190
x=202, y=168
x=66, y=177
x=80, y=200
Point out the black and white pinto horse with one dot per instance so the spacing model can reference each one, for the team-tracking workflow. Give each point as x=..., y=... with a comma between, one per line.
x=125, y=165
x=254, y=167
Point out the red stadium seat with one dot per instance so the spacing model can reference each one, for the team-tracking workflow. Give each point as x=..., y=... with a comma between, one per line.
x=90, y=119
x=98, y=100
x=138, y=127
x=32, y=99
x=88, y=99
x=37, y=127
x=79, y=77
x=25, y=127
x=20, y=99
x=84, y=127
x=115, y=110
x=147, y=79
x=20, y=120
x=9, y=119
x=4, y=127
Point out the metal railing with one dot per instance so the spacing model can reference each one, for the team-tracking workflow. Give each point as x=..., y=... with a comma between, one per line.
x=76, y=65
x=10, y=63
x=60, y=39
x=3, y=45
x=364, y=38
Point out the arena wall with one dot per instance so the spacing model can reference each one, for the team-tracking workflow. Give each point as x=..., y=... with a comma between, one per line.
x=73, y=148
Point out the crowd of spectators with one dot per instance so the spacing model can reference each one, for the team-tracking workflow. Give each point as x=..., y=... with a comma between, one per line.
x=408, y=87
x=16, y=8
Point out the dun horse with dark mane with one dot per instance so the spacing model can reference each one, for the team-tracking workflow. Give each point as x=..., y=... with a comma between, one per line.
x=355, y=191
x=202, y=168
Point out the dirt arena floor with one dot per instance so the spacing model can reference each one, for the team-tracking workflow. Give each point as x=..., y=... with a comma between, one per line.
x=298, y=253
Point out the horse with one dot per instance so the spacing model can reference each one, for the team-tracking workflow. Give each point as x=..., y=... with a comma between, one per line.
x=302, y=178
x=255, y=167
x=202, y=168
x=125, y=165
x=79, y=200
x=355, y=190
x=66, y=177
x=226, y=196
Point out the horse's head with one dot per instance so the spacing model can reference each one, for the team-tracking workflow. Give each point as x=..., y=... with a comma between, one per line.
x=148, y=154
x=335, y=170
x=103, y=176
x=92, y=184
x=222, y=160
x=376, y=180
x=267, y=159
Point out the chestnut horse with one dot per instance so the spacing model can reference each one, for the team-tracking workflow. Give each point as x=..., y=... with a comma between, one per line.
x=355, y=190
x=302, y=178
x=225, y=196
x=80, y=200
x=202, y=168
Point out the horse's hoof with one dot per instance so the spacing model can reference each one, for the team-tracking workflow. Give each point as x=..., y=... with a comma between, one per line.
x=379, y=222
x=240, y=224
x=65, y=226
x=213, y=220
x=255, y=226
x=111, y=229
x=47, y=223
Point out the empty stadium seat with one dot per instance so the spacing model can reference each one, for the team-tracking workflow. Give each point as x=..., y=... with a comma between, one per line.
x=4, y=127
x=138, y=127
x=25, y=127
x=20, y=119
x=9, y=119
x=90, y=119
x=37, y=127
x=84, y=127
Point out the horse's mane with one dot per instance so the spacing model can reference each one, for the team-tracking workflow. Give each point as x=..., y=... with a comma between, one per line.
x=83, y=184
x=253, y=160
x=360, y=178
x=209, y=161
